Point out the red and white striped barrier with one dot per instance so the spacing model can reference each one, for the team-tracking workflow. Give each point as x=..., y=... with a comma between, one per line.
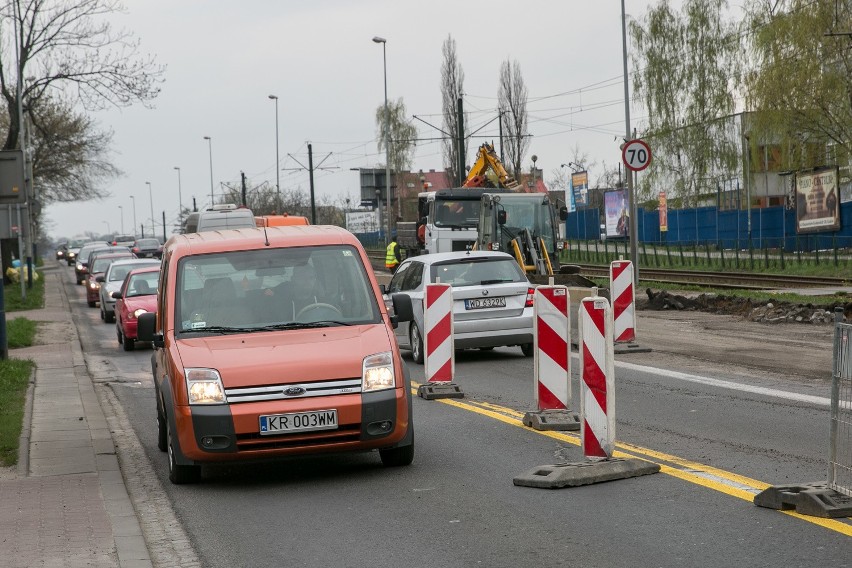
x=623, y=301
x=597, y=385
x=438, y=343
x=552, y=361
x=552, y=354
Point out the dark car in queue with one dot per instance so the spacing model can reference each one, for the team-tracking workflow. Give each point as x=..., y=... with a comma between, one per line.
x=147, y=248
x=98, y=264
x=82, y=261
x=137, y=296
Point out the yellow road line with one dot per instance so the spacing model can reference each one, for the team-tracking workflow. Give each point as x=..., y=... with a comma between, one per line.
x=691, y=473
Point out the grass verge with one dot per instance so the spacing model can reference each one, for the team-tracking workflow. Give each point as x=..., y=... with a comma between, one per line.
x=33, y=301
x=20, y=332
x=14, y=378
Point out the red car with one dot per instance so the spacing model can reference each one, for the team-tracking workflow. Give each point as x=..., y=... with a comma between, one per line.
x=98, y=265
x=138, y=295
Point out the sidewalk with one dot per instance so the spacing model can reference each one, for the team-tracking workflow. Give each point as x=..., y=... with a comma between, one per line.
x=68, y=505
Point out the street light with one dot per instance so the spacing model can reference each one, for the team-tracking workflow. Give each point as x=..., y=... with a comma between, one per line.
x=151, y=196
x=180, y=200
x=277, y=167
x=210, y=146
x=134, y=215
x=384, y=43
x=121, y=211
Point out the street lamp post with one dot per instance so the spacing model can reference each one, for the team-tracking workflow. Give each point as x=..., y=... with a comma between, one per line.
x=277, y=167
x=384, y=42
x=180, y=200
x=134, y=215
x=121, y=211
x=151, y=196
x=210, y=147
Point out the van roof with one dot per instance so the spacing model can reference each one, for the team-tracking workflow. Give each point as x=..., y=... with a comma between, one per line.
x=250, y=239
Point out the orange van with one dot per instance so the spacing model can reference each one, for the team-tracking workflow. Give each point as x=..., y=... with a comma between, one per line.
x=280, y=220
x=275, y=342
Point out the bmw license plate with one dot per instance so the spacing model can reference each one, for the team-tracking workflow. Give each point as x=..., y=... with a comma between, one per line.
x=298, y=422
x=479, y=303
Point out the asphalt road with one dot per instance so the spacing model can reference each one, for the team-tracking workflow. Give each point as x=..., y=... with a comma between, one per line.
x=720, y=431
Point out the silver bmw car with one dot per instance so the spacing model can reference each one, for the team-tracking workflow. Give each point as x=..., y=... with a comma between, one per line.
x=492, y=299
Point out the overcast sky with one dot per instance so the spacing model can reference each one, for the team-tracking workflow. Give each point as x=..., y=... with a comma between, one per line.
x=224, y=58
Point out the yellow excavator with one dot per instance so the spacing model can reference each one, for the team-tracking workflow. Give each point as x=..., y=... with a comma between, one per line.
x=489, y=168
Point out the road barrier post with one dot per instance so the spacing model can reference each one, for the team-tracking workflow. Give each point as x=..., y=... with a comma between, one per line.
x=552, y=361
x=439, y=348
x=597, y=411
x=624, y=307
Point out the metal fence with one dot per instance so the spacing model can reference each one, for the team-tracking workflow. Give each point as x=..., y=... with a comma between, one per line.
x=840, y=452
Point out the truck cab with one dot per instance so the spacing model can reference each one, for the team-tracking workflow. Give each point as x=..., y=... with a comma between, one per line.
x=447, y=222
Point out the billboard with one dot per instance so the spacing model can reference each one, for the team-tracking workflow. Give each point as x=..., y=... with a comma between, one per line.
x=362, y=221
x=817, y=201
x=616, y=216
x=580, y=188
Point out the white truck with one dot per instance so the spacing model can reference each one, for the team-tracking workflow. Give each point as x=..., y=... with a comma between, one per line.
x=447, y=221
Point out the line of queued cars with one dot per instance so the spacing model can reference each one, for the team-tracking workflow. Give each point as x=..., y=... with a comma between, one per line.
x=120, y=279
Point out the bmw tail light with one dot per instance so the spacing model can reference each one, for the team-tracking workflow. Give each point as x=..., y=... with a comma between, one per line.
x=530, y=295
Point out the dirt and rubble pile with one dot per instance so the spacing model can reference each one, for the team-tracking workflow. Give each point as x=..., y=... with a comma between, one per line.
x=765, y=311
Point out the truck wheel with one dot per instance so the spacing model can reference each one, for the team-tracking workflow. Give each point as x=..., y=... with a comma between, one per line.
x=180, y=474
x=416, y=344
x=527, y=349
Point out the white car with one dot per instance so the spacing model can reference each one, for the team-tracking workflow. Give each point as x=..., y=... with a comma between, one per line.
x=492, y=299
x=113, y=278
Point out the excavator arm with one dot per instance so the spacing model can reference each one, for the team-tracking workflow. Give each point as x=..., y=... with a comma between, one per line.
x=487, y=160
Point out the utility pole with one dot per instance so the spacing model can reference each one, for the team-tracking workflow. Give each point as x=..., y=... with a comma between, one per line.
x=500, y=116
x=631, y=199
x=164, y=227
x=311, y=177
x=460, y=138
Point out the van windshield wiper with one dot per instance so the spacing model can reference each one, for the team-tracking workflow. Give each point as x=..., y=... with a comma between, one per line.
x=217, y=329
x=299, y=325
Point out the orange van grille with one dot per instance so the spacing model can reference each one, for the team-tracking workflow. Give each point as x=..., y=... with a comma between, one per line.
x=293, y=390
x=255, y=442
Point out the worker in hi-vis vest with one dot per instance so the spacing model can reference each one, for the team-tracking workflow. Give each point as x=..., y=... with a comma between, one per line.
x=392, y=257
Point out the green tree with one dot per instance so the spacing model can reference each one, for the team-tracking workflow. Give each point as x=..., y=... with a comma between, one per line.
x=801, y=85
x=685, y=68
x=402, y=134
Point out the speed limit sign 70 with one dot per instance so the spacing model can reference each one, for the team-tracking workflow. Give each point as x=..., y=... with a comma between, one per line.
x=636, y=155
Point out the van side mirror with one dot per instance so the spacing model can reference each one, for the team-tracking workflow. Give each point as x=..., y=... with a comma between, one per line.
x=501, y=217
x=145, y=325
x=383, y=289
x=563, y=213
x=100, y=279
x=402, y=307
x=116, y=295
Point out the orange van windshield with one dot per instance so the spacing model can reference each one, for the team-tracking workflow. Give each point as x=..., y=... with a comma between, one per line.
x=261, y=289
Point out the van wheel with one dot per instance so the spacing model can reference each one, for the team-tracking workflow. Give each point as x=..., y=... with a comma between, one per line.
x=527, y=349
x=397, y=457
x=162, y=432
x=416, y=343
x=118, y=335
x=103, y=317
x=180, y=474
x=129, y=343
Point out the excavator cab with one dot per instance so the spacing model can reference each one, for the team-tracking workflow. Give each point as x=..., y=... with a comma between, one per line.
x=523, y=226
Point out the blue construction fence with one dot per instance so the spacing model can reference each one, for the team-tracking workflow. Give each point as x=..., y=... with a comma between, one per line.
x=771, y=227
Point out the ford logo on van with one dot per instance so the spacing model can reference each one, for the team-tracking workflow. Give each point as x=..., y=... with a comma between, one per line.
x=294, y=391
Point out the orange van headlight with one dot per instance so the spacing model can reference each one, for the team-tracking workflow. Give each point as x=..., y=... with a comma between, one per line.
x=204, y=386
x=377, y=372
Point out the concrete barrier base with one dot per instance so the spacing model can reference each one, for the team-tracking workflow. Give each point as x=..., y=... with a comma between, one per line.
x=632, y=347
x=584, y=473
x=812, y=499
x=562, y=420
x=433, y=391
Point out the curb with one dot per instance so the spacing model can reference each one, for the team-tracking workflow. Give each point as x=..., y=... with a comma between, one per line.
x=26, y=430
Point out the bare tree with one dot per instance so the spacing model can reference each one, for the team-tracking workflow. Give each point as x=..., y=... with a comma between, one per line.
x=68, y=47
x=452, y=87
x=512, y=99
